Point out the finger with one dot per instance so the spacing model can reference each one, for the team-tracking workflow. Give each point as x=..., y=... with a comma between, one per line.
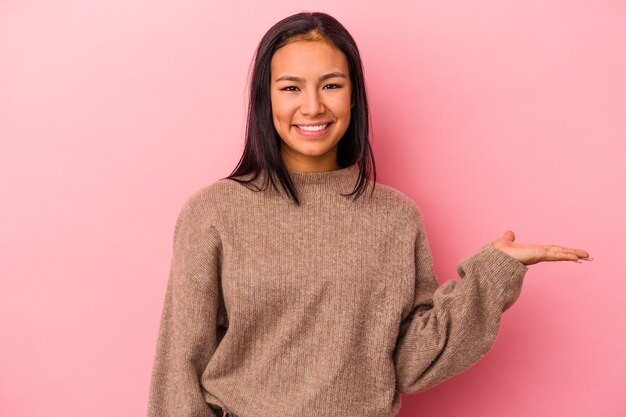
x=582, y=254
x=559, y=255
x=578, y=252
x=552, y=248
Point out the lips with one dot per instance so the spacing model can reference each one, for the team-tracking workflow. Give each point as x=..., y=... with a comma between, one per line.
x=312, y=124
x=313, y=133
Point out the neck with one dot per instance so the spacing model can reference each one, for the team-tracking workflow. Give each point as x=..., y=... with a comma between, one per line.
x=340, y=180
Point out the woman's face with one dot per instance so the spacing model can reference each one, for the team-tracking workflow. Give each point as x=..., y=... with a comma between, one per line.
x=310, y=89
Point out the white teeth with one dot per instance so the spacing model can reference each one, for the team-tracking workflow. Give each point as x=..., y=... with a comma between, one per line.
x=313, y=128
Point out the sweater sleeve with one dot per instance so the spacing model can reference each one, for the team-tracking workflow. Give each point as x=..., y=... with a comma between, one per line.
x=454, y=325
x=187, y=331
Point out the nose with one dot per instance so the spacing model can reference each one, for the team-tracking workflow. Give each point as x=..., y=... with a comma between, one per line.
x=313, y=103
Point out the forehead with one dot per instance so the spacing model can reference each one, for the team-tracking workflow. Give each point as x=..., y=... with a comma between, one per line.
x=308, y=57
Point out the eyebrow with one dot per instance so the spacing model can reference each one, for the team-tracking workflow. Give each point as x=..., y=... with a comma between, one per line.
x=322, y=78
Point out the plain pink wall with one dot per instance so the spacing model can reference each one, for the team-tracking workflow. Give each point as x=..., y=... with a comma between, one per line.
x=490, y=115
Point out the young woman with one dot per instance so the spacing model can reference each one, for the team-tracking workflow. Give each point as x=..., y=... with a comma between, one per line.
x=312, y=296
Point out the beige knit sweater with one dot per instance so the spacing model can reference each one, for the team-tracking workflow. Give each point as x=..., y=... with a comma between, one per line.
x=330, y=308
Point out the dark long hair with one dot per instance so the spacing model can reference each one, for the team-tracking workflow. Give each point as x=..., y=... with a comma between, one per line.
x=262, y=146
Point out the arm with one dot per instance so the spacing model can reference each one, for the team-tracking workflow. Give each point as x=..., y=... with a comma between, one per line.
x=453, y=325
x=187, y=332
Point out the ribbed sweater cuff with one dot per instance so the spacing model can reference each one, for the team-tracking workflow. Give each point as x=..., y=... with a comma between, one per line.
x=503, y=271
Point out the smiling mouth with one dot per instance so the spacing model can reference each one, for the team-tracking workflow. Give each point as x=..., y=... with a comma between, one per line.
x=313, y=131
x=314, y=128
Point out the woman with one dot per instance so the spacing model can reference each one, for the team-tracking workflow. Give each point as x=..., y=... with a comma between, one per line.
x=312, y=297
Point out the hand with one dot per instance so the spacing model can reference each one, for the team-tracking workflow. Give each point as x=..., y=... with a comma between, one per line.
x=532, y=254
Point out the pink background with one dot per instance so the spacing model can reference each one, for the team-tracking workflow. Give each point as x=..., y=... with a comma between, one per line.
x=490, y=115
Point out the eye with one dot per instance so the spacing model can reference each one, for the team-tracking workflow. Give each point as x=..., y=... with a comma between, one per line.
x=294, y=88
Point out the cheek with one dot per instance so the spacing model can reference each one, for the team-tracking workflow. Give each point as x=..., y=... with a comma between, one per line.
x=341, y=106
x=280, y=111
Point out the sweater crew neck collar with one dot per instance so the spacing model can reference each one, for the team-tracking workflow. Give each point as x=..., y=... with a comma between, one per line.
x=340, y=180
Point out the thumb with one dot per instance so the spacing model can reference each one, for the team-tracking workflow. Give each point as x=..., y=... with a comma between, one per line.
x=509, y=235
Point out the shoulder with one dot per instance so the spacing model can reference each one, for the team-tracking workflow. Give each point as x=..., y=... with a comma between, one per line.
x=395, y=200
x=208, y=195
x=214, y=202
x=203, y=206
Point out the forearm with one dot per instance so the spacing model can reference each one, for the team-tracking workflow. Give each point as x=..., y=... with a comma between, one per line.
x=461, y=322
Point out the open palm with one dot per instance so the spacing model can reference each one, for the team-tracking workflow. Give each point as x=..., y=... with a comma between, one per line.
x=532, y=254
